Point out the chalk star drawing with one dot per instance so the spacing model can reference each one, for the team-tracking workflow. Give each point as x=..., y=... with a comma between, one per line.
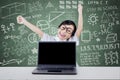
x=98, y=39
x=93, y=18
x=34, y=50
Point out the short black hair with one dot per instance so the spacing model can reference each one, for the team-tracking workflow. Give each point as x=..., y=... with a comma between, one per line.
x=69, y=22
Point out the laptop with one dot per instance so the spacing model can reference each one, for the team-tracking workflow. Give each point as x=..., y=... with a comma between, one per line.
x=56, y=58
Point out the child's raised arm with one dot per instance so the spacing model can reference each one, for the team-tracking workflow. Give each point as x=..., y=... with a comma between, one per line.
x=80, y=21
x=32, y=27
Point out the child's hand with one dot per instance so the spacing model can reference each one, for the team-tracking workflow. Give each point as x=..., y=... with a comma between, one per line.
x=80, y=8
x=20, y=20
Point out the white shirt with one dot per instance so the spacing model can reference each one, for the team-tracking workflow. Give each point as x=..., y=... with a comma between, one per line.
x=47, y=37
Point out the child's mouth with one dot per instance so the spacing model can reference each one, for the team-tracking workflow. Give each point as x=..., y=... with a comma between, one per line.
x=62, y=35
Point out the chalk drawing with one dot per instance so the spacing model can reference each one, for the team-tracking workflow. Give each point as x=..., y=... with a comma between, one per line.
x=18, y=61
x=54, y=15
x=34, y=51
x=35, y=6
x=53, y=30
x=90, y=58
x=93, y=19
x=22, y=47
x=62, y=6
x=4, y=44
x=22, y=30
x=98, y=39
x=6, y=52
x=111, y=57
x=74, y=2
x=69, y=4
x=43, y=24
x=32, y=60
x=105, y=29
x=13, y=9
x=49, y=5
x=12, y=37
x=3, y=29
x=86, y=36
x=8, y=28
x=80, y=2
x=104, y=18
x=74, y=6
x=111, y=38
x=12, y=26
x=61, y=2
x=32, y=38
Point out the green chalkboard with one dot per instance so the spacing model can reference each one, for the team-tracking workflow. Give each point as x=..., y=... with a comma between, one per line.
x=99, y=40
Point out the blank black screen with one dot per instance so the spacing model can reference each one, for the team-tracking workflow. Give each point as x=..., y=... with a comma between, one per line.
x=57, y=53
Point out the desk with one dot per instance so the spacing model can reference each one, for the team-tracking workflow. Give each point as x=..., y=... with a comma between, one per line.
x=24, y=73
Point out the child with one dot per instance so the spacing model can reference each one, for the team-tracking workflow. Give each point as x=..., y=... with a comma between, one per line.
x=67, y=30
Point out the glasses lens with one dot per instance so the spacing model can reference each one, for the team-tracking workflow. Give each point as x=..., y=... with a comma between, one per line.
x=68, y=30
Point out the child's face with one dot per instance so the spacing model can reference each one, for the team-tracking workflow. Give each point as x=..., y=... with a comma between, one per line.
x=65, y=31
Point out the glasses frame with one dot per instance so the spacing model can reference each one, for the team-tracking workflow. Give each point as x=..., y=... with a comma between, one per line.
x=67, y=29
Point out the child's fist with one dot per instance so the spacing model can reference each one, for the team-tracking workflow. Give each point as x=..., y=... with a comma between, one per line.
x=20, y=20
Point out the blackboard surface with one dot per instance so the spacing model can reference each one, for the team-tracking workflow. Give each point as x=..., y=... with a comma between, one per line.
x=99, y=41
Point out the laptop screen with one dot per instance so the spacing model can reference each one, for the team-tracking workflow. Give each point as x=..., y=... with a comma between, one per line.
x=57, y=53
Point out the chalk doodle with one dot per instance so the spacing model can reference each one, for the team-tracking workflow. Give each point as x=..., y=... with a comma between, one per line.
x=105, y=29
x=12, y=61
x=3, y=29
x=104, y=18
x=54, y=15
x=35, y=6
x=98, y=39
x=4, y=44
x=69, y=4
x=34, y=51
x=91, y=59
x=12, y=37
x=8, y=28
x=13, y=9
x=111, y=17
x=6, y=52
x=43, y=24
x=12, y=26
x=93, y=19
x=86, y=36
x=50, y=5
x=111, y=38
x=53, y=30
x=32, y=60
x=32, y=38
x=111, y=58
x=22, y=30
x=19, y=50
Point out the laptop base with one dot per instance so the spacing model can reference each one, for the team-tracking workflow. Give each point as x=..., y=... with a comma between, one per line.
x=55, y=72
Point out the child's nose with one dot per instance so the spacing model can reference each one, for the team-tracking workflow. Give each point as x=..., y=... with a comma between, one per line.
x=64, y=31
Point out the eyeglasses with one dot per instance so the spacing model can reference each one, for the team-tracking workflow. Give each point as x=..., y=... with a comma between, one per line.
x=68, y=30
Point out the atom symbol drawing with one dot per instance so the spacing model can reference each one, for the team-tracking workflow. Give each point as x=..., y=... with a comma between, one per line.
x=93, y=19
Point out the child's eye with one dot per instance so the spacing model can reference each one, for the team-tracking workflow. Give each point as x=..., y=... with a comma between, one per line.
x=69, y=31
x=63, y=28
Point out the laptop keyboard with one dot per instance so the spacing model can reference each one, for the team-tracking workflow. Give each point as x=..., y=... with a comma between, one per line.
x=55, y=68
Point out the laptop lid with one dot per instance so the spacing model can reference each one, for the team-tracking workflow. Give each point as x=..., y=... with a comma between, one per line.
x=57, y=54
